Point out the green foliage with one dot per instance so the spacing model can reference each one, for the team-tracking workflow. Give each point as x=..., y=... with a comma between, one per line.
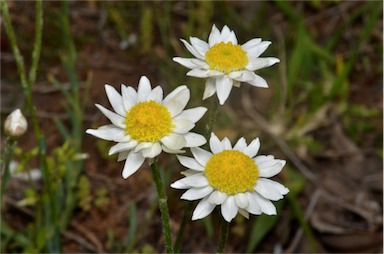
x=101, y=199
x=84, y=193
x=30, y=198
x=146, y=29
x=147, y=248
x=132, y=228
x=262, y=226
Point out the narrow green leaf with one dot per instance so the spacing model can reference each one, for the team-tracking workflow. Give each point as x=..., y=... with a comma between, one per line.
x=262, y=226
x=132, y=229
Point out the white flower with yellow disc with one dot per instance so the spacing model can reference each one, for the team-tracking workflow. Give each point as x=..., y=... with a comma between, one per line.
x=146, y=124
x=225, y=63
x=234, y=178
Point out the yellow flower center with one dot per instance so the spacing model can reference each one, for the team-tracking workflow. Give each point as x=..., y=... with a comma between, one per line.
x=148, y=121
x=231, y=172
x=226, y=57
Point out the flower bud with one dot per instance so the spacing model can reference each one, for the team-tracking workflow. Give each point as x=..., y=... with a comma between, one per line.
x=15, y=124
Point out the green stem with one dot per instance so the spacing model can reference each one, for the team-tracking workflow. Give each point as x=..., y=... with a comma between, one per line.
x=188, y=209
x=37, y=45
x=9, y=148
x=212, y=118
x=223, y=236
x=25, y=84
x=163, y=206
x=186, y=218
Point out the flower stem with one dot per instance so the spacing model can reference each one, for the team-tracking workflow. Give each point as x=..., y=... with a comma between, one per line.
x=9, y=148
x=223, y=236
x=186, y=218
x=212, y=118
x=189, y=207
x=163, y=206
x=26, y=84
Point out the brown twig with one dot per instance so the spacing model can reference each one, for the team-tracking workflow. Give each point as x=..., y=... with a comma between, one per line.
x=299, y=233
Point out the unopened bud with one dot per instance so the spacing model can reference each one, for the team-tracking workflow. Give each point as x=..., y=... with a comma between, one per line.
x=15, y=124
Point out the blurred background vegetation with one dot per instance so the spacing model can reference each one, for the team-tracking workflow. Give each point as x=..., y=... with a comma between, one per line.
x=322, y=113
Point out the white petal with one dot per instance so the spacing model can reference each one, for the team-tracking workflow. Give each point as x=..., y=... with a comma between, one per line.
x=113, y=117
x=144, y=89
x=203, y=209
x=115, y=99
x=226, y=144
x=258, y=49
x=190, y=163
x=271, y=170
x=179, y=184
x=267, y=163
x=109, y=133
x=200, y=45
x=192, y=49
x=250, y=44
x=215, y=144
x=243, y=76
x=214, y=36
x=191, y=63
x=189, y=172
x=228, y=35
x=197, y=181
x=244, y=213
x=229, y=208
x=232, y=38
x=156, y=94
x=171, y=151
x=192, y=114
x=259, y=63
x=241, y=200
x=240, y=145
x=194, y=139
x=174, y=93
x=266, y=205
x=258, y=81
x=142, y=145
x=177, y=100
x=123, y=155
x=129, y=97
x=173, y=141
x=225, y=33
x=152, y=151
x=262, y=158
x=210, y=88
x=182, y=126
x=275, y=185
x=132, y=164
x=217, y=197
x=200, y=64
x=268, y=193
x=201, y=155
x=197, y=193
x=202, y=73
x=253, y=206
x=120, y=147
x=253, y=148
x=223, y=88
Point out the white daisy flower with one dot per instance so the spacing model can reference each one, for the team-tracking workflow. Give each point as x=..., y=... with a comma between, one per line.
x=146, y=124
x=225, y=63
x=234, y=178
